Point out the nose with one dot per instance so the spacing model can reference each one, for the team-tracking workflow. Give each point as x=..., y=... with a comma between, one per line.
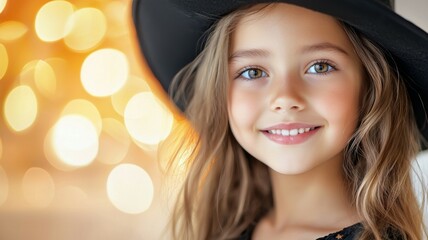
x=287, y=95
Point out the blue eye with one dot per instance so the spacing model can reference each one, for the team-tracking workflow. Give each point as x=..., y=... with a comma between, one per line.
x=320, y=68
x=253, y=73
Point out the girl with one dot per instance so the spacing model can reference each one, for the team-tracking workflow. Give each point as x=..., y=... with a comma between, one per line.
x=307, y=116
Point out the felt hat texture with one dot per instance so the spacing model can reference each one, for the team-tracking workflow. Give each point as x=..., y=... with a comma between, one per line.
x=171, y=34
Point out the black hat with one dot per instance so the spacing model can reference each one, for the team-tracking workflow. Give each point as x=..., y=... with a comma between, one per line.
x=170, y=35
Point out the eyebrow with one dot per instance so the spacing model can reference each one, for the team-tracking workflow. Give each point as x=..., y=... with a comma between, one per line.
x=325, y=46
x=249, y=53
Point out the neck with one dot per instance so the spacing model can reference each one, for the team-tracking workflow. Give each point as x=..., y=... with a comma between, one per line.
x=318, y=197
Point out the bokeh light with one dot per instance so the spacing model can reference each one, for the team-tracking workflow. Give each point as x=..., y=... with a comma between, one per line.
x=147, y=120
x=51, y=20
x=51, y=155
x=12, y=30
x=116, y=12
x=104, y=72
x=133, y=86
x=75, y=140
x=26, y=76
x=114, y=142
x=130, y=188
x=38, y=187
x=4, y=59
x=2, y=5
x=4, y=186
x=84, y=108
x=85, y=28
x=20, y=108
x=45, y=79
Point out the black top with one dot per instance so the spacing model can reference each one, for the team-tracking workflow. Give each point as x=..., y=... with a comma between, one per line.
x=348, y=233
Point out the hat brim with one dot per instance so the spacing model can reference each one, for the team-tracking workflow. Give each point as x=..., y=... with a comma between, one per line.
x=170, y=36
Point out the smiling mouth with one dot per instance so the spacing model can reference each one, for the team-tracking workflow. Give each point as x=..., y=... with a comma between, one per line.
x=290, y=132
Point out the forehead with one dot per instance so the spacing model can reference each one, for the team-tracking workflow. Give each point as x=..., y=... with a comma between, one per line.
x=286, y=25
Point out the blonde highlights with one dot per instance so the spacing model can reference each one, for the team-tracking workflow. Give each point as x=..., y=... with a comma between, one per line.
x=378, y=160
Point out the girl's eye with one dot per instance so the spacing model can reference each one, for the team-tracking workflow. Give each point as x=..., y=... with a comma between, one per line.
x=253, y=73
x=320, y=67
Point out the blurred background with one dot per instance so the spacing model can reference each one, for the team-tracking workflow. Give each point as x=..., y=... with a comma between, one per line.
x=81, y=121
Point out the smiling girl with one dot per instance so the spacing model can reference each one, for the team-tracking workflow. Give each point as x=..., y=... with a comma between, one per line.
x=307, y=115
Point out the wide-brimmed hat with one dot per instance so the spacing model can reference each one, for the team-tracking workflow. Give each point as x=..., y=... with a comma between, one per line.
x=171, y=34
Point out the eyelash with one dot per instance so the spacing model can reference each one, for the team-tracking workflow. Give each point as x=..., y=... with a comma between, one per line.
x=321, y=61
x=248, y=68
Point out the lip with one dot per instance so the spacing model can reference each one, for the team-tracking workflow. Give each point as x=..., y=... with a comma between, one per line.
x=288, y=126
x=290, y=140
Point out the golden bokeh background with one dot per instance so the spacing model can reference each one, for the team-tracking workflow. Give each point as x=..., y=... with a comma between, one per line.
x=81, y=119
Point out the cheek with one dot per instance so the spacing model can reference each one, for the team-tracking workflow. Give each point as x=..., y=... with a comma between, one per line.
x=243, y=107
x=340, y=108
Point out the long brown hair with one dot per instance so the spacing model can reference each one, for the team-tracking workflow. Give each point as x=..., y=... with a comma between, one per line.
x=226, y=189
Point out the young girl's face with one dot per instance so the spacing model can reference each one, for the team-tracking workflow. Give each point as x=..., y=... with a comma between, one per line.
x=295, y=88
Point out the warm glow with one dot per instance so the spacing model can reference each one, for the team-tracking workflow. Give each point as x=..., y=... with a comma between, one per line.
x=116, y=12
x=20, y=108
x=4, y=186
x=12, y=30
x=51, y=20
x=51, y=156
x=1, y=148
x=133, y=86
x=84, y=108
x=85, y=29
x=45, y=79
x=114, y=142
x=38, y=187
x=104, y=72
x=130, y=188
x=75, y=140
x=70, y=197
x=4, y=60
x=170, y=148
x=2, y=5
x=147, y=120
x=26, y=76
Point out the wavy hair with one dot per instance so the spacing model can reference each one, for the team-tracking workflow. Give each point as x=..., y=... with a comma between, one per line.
x=226, y=189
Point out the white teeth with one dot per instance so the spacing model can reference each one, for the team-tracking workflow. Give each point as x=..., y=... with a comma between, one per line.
x=291, y=132
x=294, y=132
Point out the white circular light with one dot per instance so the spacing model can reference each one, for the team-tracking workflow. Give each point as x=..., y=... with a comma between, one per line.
x=147, y=121
x=85, y=29
x=130, y=188
x=51, y=20
x=104, y=72
x=20, y=108
x=75, y=140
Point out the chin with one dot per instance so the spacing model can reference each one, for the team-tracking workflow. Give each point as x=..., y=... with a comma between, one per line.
x=287, y=169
